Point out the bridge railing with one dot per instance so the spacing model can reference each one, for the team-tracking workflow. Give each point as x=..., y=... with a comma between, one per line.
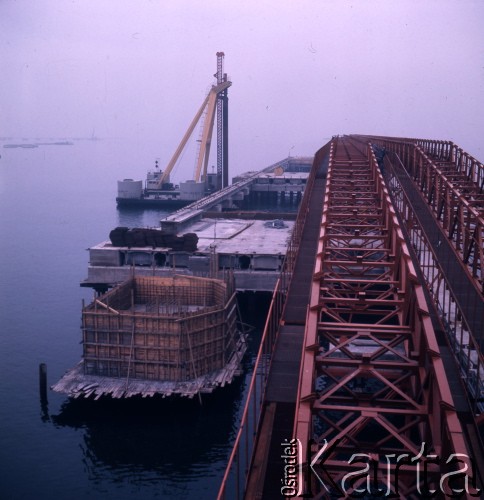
x=233, y=482
x=462, y=162
x=235, y=476
x=419, y=377
x=457, y=214
x=466, y=347
x=455, y=195
x=293, y=246
x=439, y=151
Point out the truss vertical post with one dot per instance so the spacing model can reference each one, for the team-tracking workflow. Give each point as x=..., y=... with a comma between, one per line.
x=222, y=124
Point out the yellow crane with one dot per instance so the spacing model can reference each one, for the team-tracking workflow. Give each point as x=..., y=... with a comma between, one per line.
x=202, y=161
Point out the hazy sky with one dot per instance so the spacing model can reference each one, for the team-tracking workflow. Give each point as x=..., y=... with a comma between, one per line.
x=302, y=71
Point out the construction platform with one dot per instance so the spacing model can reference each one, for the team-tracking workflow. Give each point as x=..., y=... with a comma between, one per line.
x=378, y=346
x=151, y=335
x=245, y=227
x=254, y=250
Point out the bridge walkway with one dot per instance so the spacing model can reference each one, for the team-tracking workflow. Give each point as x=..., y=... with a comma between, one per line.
x=468, y=299
x=358, y=365
x=282, y=386
x=373, y=379
x=468, y=296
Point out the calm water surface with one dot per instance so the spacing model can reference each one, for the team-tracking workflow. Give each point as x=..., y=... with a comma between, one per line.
x=55, y=202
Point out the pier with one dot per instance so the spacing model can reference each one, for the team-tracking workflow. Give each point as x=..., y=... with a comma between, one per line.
x=244, y=227
x=375, y=346
x=373, y=341
x=157, y=324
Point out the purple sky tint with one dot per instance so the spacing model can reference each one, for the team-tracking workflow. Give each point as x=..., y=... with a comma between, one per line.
x=302, y=71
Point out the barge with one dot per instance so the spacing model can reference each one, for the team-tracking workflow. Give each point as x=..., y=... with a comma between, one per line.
x=162, y=193
x=158, y=190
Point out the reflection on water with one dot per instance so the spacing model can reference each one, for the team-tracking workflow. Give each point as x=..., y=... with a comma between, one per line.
x=176, y=438
x=140, y=217
x=55, y=202
x=165, y=443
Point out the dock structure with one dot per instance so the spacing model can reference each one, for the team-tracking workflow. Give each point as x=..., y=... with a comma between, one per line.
x=281, y=183
x=170, y=336
x=377, y=352
x=163, y=322
x=244, y=227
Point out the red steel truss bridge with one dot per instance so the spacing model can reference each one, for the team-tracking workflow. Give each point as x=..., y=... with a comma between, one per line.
x=370, y=377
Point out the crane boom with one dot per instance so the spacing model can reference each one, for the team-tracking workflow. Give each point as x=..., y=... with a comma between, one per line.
x=206, y=137
x=208, y=126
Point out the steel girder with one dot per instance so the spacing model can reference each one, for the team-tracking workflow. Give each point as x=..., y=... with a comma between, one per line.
x=460, y=317
x=372, y=380
x=452, y=183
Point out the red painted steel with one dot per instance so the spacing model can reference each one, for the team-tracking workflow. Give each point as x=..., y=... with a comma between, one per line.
x=233, y=482
x=235, y=477
x=451, y=305
x=452, y=183
x=372, y=378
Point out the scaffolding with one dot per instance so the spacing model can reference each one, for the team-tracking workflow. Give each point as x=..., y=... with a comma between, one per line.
x=180, y=331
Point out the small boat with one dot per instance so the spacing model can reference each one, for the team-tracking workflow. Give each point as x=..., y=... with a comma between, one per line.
x=26, y=146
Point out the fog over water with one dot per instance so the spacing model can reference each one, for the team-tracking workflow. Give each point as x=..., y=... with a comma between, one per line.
x=56, y=201
x=133, y=74
x=302, y=71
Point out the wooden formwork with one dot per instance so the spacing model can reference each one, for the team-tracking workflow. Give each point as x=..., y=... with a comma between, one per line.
x=175, y=328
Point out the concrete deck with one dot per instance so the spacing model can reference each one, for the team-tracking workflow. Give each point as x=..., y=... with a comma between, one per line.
x=253, y=249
